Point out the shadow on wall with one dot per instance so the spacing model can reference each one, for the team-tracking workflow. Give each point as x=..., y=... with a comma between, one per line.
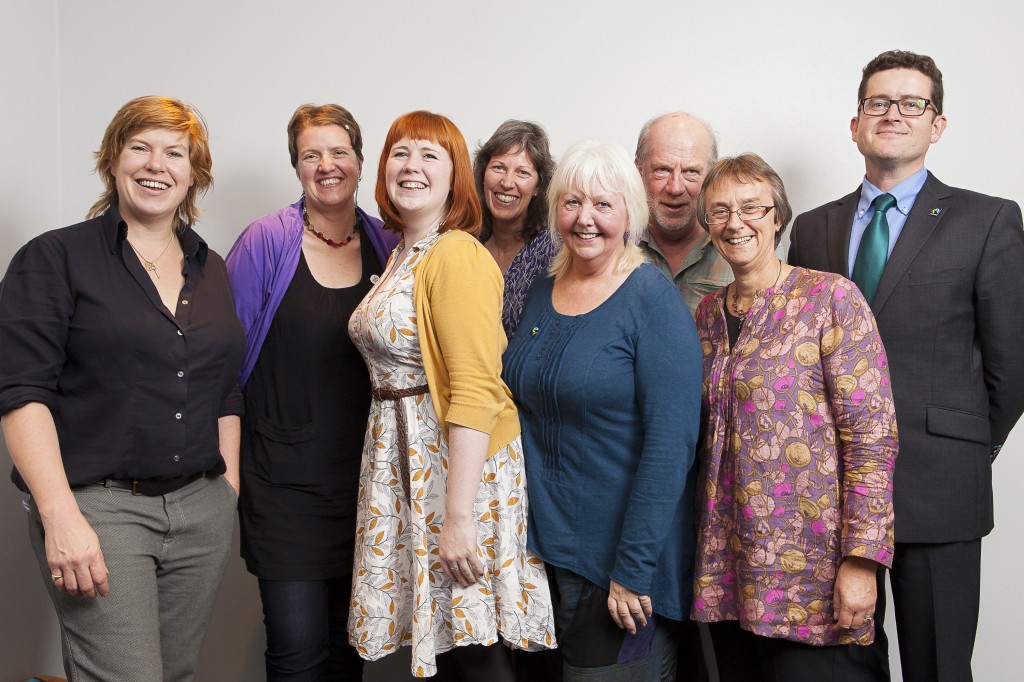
x=233, y=648
x=31, y=641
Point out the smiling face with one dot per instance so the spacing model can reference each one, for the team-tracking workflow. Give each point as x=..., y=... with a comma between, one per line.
x=152, y=174
x=419, y=179
x=593, y=226
x=747, y=245
x=327, y=166
x=895, y=145
x=678, y=155
x=510, y=183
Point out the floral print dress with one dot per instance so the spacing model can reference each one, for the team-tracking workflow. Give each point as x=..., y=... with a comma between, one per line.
x=400, y=595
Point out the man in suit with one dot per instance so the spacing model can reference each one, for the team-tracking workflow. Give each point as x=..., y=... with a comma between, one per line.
x=673, y=152
x=943, y=270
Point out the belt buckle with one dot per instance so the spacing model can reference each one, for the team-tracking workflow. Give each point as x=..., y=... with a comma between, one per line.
x=135, y=487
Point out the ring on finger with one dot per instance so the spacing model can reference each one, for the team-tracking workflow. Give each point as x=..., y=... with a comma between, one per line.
x=57, y=576
x=868, y=618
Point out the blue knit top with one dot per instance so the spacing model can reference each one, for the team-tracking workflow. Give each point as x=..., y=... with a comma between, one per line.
x=609, y=403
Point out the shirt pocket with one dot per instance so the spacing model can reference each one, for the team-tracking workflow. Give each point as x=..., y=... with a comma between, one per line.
x=703, y=286
x=934, y=278
x=286, y=454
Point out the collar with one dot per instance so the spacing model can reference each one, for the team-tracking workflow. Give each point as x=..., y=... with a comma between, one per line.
x=905, y=193
x=115, y=232
x=647, y=242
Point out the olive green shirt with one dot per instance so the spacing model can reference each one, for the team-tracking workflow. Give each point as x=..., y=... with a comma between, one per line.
x=703, y=271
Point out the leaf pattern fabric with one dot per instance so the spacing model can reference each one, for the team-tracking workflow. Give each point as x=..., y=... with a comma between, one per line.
x=400, y=595
x=797, y=461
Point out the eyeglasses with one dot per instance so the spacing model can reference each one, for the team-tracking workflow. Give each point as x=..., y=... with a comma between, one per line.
x=908, y=106
x=720, y=216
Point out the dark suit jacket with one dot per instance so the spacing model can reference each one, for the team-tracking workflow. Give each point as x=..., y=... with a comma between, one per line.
x=950, y=309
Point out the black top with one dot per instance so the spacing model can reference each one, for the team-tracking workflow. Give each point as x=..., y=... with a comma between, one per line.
x=135, y=391
x=733, y=324
x=307, y=402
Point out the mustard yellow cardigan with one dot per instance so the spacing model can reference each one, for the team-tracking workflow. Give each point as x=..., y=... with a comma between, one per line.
x=457, y=296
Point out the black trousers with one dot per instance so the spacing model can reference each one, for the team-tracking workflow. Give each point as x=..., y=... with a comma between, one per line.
x=745, y=657
x=936, y=593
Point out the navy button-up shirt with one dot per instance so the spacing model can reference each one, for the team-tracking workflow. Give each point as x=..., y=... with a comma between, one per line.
x=135, y=390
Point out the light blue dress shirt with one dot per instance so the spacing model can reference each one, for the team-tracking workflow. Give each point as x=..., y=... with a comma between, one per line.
x=906, y=194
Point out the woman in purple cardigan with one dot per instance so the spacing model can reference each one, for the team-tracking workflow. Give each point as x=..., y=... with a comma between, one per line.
x=297, y=274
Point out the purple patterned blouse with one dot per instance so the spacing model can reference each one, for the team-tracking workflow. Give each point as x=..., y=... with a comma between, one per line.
x=532, y=260
x=797, y=461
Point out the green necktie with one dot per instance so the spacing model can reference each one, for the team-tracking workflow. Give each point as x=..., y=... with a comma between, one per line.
x=874, y=248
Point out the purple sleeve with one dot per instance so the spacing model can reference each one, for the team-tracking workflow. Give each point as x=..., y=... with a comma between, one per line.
x=856, y=375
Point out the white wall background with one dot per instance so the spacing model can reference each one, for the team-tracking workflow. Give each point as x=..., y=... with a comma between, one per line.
x=778, y=78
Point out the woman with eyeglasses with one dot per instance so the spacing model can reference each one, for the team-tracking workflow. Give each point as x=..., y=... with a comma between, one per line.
x=795, y=488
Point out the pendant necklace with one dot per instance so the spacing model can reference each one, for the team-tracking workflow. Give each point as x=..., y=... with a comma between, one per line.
x=742, y=314
x=150, y=265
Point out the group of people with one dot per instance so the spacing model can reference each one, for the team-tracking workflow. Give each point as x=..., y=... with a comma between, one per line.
x=574, y=409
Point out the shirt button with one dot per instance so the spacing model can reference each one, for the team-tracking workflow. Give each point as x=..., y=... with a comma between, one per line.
x=177, y=415
x=181, y=374
x=176, y=458
x=184, y=301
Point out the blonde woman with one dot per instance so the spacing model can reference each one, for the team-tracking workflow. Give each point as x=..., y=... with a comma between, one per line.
x=605, y=370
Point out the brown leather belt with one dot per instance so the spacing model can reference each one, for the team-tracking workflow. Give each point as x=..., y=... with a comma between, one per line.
x=151, y=487
x=397, y=393
x=403, y=432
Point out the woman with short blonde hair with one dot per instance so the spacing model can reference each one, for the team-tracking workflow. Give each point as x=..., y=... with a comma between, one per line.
x=605, y=370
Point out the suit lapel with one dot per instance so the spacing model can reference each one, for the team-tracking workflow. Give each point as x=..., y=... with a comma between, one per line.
x=930, y=208
x=837, y=231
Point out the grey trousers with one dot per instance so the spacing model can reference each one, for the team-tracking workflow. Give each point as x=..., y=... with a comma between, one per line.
x=165, y=556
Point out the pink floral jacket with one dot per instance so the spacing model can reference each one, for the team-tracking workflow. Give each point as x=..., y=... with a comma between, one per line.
x=797, y=458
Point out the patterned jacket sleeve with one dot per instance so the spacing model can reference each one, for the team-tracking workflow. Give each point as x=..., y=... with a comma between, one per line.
x=856, y=375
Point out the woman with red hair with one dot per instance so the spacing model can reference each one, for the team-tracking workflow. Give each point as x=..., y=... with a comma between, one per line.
x=441, y=559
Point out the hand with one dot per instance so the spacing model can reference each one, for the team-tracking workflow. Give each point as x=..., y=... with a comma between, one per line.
x=855, y=593
x=628, y=608
x=73, y=553
x=457, y=550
